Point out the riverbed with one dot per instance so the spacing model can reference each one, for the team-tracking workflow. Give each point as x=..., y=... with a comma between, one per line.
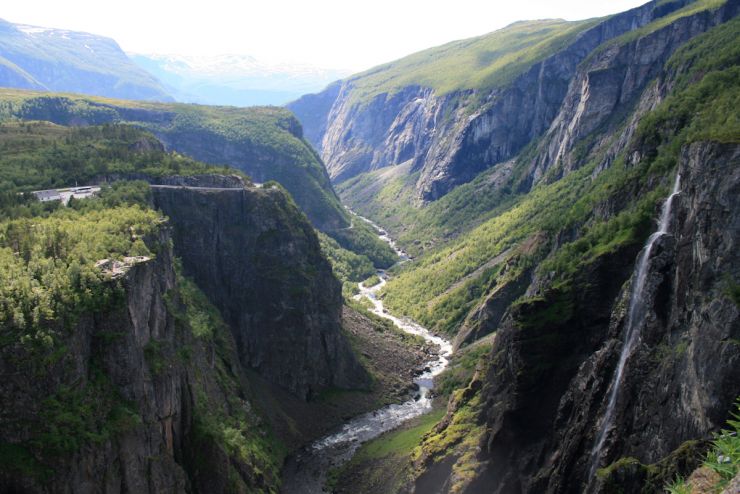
x=306, y=471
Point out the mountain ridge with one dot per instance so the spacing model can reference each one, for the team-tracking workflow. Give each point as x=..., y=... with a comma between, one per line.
x=61, y=60
x=446, y=135
x=565, y=198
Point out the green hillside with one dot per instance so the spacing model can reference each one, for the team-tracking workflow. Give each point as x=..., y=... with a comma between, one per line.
x=441, y=287
x=390, y=198
x=62, y=266
x=264, y=142
x=494, y=59
x=482, y=62
x=690, y=9
x=40, y=155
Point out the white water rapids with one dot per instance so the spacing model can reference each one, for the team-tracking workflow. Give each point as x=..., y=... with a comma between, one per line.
x=305, y=472
x=635, y=317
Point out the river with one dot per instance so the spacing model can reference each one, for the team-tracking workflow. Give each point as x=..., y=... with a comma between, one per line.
x=306, y=471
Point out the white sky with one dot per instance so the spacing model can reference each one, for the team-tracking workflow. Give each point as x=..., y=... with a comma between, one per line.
x=327, y=33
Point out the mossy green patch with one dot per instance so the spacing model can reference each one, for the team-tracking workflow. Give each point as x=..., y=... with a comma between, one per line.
x=382, y=464
x=402, y=442
x=458, y=439
x=461, y=368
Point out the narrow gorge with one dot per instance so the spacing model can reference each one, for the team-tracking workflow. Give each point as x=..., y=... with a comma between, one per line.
x=529, y=193
x=307, y=471
x=507, y=264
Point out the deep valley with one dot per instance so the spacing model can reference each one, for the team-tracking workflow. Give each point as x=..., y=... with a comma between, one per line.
x=503, y=265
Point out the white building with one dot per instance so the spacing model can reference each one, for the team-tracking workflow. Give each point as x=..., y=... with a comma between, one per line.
x=47, y=195
x=64, y=195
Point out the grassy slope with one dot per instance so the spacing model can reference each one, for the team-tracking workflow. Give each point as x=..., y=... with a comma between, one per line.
x=380, y=465
x=264, y=142
x=482, y=62
x=388, y=196
x=430, y=289
x=470, y=226
x=39, y=155
x=390, y=200
x=704, y=106
x=691, y=9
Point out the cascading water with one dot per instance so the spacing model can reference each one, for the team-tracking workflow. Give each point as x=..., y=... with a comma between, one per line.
x=635, y=317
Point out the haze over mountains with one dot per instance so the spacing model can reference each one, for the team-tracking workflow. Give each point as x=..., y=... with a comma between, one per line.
x=50, y=59
x=238, y=80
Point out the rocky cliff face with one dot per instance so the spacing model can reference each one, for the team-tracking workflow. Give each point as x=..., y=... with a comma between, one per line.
x=452, y=138
x=545, y=403
x=148, y=390
x=312, y=110
x=268, y=279
x=636, y=111
x=610, y=84
x=121, y=405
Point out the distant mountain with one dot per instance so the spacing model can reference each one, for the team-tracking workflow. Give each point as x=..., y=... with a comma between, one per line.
x=237, y=80
x=58, y=60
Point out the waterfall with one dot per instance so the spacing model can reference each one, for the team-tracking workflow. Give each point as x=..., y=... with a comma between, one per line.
x=635, y=316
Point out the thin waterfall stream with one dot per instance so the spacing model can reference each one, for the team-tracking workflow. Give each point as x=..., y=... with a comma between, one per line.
x=635, y=318
x=306, y=471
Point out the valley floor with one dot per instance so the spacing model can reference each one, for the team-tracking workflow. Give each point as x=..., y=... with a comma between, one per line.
x=392, y=357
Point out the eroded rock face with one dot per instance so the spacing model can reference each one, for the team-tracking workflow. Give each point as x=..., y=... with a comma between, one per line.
x=452, y=138
x=312, y=109
x=686, y=373
x=144, y=390
x=258, y=260
x=611, y=82
x=124, y=367
x=546, y=397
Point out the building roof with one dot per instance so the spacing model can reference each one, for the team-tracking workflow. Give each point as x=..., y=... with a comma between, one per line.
x=47, y=194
